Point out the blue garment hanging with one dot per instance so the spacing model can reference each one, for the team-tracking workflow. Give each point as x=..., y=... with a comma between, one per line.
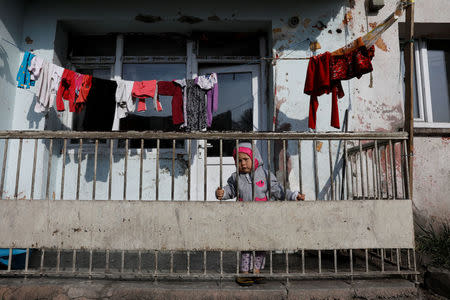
x=24, y=76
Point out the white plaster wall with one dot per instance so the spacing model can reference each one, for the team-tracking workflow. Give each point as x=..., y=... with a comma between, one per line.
x=431, y=178
x=431, y=11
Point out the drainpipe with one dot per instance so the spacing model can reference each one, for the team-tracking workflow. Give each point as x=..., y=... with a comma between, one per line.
x=409, y=114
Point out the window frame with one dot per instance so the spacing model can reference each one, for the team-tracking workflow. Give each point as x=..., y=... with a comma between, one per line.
x=425, y=103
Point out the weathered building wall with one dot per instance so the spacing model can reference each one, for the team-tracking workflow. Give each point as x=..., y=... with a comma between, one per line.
x=374, y=101
x=431, y=154
x=431, y=178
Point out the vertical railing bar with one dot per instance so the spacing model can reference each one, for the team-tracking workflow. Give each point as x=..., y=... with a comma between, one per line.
x=354, y=179
x=90, y=262
x=5, y=156
x=392, y=255
x=141, y=168
x=42, y=261
x=80, y=149
x=33, y=174
x=189, y=171
x=74, y=261
x=363, y=194
x=300, y=180
x=351, y=261
x=171, y=262
x=122, y=262
x=172, y=187
x=303, y=261
x=27, y=259
x=367, y=259
x=221, y=263
x=188, y=263
x=63, y=171
x=140, y=262
x=253, y=171
x=393, y=171
x=220, y=162
x=316, y=174
x=407, y=191
x=402, y=170
x=156, y=262
x=285, y=174
x=287, y=261
x=347, y=173
x=111, y=147
x=58, y=260
x=387, y=170
x=319, y=252
x=415, y=264
x=49, y=168
x=10, y=259
x=253, y=259
x=269, y=165
x=157, y=170
x=382, y=260
x=94, y=183
x=367, y=173
x=409, y=259
x=378, y=167
x=125, y=170
x=237, y=170
x=205, y=172
x=107, y=261
x=374, y=175
x=237, y=262
x=271, y=262
x=19, y=159
x=335, y=260
x=204, y=262
x=398, y=259
x=330, y=159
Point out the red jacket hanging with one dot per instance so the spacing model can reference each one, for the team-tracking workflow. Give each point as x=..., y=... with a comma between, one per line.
x=325, y=73
x=318, y=82
x=169, y=88
x=66, y=89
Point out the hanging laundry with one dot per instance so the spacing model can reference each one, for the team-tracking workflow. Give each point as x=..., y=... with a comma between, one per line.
x=35, y=67
x=326, y=71
x=182, y=84
x=210, y=83
x=170, y=88
x=124, y=101
x=82, y=92
x=317, y=83
x=100, y=105
x=146, y=89
x=47, y=87
x=24, y=76
x=46, y=95
x=66, y=90
x=195, y=106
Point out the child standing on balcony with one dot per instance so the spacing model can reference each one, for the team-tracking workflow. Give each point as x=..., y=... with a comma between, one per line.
x=248, y=160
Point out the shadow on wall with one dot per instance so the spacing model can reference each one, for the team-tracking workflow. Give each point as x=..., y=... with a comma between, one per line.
x=5, y=72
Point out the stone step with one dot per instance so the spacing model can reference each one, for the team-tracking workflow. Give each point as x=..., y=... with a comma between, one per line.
x=67, y=289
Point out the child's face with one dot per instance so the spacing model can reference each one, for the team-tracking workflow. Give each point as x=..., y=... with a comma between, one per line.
x=245, y=163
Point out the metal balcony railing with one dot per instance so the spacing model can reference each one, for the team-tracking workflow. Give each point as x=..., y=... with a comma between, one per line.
x=147, y=168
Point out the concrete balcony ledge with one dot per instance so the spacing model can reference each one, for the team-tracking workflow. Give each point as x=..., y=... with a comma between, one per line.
x=324, y=289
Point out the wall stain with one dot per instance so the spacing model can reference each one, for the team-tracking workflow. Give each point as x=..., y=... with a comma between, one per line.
x=382, y=45
x=306, y=22
x=348, y=18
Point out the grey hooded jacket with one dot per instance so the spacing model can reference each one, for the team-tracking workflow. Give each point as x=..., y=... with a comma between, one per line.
x=261, y=181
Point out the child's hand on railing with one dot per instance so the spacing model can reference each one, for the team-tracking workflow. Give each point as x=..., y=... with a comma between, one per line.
x=219, y=193
x=300, y=197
